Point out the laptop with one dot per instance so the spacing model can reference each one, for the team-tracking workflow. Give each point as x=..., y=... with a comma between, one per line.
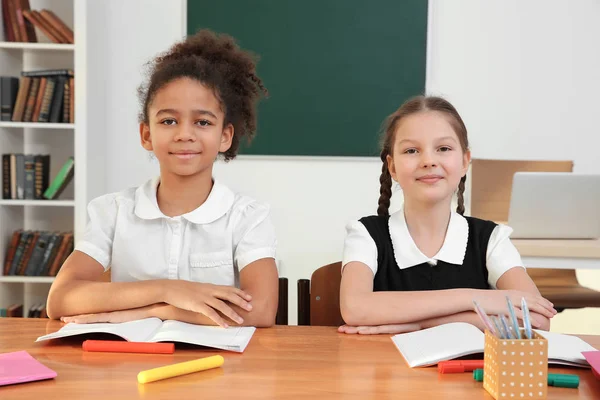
x=555, y=205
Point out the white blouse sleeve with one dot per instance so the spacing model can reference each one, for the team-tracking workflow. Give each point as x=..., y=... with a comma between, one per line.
x=254, y=235
x=359, y=246
x=98, y=237
x=501, y=255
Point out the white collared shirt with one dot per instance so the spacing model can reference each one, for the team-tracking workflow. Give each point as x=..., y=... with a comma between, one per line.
x=500, y=257
x=128, y=233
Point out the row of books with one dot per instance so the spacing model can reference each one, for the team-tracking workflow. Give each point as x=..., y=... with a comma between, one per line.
x=38, y=96
x=37, y=253
x=16, y=311
x=20, y=20
x=26, y=177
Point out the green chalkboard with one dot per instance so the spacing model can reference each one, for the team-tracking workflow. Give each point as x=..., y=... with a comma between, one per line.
x=334, y=68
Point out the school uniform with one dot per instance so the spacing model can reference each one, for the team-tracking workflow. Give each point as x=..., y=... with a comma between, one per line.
x=129, y=234
x=475, y=253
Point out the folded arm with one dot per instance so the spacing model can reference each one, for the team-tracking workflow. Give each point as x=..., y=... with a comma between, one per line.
x=361, y=306
x=259, y=279
x=80, y=288
x=80, y=294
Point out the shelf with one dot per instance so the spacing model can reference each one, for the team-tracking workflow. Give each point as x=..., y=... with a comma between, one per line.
x=27, y=279
x=36, y=125
x=37, y=46
x=41, y=203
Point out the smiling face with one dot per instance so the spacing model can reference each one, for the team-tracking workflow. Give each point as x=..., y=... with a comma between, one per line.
x=427, y=158
x=185, y=128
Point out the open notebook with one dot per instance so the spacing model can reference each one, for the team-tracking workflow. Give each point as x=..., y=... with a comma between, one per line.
x=156, y=330
x=458, y=339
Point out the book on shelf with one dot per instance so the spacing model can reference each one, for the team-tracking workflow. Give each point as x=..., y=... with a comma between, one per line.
x=20, y=22
x=38, y=96
x=37, y=253
x=37, y=310
x=12, y=311
x=25, y=176
x=62, y=179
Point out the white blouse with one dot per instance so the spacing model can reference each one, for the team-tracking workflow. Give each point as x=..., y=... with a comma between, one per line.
x=129, y=234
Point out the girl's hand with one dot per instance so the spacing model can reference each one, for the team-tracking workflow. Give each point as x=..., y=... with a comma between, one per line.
x=207, y=299
x=113, y=317
x=381, y=329
x=494, y=302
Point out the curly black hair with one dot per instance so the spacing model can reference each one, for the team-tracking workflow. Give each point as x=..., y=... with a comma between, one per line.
x=216, y=61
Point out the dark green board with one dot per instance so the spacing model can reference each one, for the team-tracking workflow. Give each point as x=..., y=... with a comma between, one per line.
x=334, y=68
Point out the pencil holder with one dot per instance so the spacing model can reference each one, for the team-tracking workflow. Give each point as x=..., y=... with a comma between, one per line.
x=515, y=368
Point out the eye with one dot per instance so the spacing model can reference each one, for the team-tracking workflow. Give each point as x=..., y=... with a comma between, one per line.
x=168, y=121
x=445, y=148
x=410, y=151
x=203, y=122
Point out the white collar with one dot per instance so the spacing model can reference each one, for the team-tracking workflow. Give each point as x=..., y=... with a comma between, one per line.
x=406, y=252
x=218, y=203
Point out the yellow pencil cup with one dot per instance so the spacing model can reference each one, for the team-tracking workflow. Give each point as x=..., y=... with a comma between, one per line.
x=516, y=368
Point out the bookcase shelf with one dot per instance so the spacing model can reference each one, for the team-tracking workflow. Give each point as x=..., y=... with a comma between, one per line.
x=37, y=46
x=40, y=203
x=59, y=140
x=37, y=125
x=27, y=279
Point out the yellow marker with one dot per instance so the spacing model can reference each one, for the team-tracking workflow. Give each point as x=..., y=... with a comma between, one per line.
x=169, y=371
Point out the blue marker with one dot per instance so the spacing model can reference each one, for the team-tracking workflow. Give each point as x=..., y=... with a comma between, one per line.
x=513, y=318
x=526, y=318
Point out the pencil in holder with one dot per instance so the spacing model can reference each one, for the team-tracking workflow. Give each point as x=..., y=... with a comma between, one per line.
x=516, y=368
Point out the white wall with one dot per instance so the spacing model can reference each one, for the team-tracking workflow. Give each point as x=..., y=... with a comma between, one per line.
x=136, y=31
x=522, y=74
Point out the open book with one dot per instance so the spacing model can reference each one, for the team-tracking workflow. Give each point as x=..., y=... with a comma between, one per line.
x=156, y=330
x=458, y=339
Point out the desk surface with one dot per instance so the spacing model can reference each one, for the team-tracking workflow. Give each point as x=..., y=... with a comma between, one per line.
x=280, y=362
x=557, y=248
x=566, y=248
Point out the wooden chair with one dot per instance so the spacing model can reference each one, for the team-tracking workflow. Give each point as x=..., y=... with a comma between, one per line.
x=319, y=298
x=281, y=318
x=491, y=185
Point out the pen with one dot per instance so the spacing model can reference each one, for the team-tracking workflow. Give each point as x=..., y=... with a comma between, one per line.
x=556, y=380
x=509, y=335
x=170, y=371
x=526, y=318
x=112, y=346
x=484, y=318
x=456, y=366
x=498, y=326
x=513, y=318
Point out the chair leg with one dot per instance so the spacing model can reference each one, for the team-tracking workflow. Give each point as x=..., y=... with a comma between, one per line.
x=282, y=307
x=303, y=302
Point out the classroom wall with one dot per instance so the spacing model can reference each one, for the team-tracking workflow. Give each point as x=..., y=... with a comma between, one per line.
x=522, y=74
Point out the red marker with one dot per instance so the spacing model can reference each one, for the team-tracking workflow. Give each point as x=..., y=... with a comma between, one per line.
x=112, y=346
x=456, y=366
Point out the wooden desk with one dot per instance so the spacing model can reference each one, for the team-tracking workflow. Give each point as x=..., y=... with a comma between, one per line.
x=559, y=254
x=281, y=362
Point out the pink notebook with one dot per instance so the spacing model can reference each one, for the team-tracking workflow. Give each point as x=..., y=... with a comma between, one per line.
x=20, y=367
x=593, y=357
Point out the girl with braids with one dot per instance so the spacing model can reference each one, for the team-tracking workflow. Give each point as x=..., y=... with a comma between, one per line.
x=182, y=246
x=425, y=264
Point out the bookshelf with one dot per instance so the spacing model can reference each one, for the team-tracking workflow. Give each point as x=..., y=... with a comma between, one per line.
x=60, y=140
